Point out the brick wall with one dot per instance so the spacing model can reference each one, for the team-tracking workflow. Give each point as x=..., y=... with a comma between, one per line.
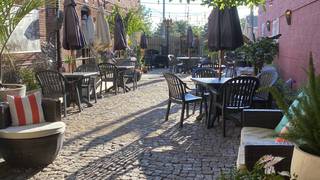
x=298, y=39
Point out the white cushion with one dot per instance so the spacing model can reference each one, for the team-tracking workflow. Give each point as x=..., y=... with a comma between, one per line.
x=253, y=136
x=257, y=136
x=241, y=160
x=33, y=130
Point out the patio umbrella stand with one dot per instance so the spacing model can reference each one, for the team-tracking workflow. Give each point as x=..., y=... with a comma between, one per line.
x=224, y=31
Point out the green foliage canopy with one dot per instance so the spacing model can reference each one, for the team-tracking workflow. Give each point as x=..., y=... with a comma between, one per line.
x=233, y=3
x=135, y=20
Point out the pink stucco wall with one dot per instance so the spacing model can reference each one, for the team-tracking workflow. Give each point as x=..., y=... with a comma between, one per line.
x=298, y=39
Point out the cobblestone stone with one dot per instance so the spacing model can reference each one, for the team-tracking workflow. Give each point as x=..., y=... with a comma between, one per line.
x=125, y=137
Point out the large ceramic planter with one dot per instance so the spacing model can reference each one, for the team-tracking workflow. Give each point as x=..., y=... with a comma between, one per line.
x=304, y=165
x=12, y=89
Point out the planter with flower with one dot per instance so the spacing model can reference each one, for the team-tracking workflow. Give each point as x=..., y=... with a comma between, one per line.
x=263, y=169
x=302, y=127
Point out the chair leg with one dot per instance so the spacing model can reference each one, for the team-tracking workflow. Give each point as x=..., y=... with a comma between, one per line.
x=65, y=105
x=168, y=110
x=182, y=115
x=94, y=91
x=105, y=86
x=201, y=103
x=88, y=93
x=187, y=110
x=115, y=85
x=223, y=123
x=78, y=99
x=194, y=107
x=101, y=88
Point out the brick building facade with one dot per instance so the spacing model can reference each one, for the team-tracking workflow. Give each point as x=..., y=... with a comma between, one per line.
x=297, y=39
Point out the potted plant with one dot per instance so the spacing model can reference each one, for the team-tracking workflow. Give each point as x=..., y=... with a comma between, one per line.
x=263, y=169
x=304, y=127
x=12, y=13
x=70, y=61
x=260, y=52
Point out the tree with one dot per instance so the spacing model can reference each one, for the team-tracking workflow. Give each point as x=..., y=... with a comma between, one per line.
x=188, y=1
x=233, y=3
x=134, y=20
x=12, y=12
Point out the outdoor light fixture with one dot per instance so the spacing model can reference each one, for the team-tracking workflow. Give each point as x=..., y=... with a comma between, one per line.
x=268, y=24
x=288, y=15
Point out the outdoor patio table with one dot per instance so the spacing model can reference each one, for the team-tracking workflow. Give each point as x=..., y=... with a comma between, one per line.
x=122, y=69
x=77, y=77
x=189, y=62
x=209, y=83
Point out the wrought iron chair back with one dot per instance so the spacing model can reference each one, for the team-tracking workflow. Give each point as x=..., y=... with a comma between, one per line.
x=207, y=65
x=108, y=71
x=237, y=93
x=177, y=88
x=52, y=83
x=266, y=78
x=204, y=73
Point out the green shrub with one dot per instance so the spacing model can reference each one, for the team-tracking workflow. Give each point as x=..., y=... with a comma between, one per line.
x=28, y=78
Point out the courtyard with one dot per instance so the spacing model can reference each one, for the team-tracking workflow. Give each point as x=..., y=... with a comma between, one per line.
x=125, y=137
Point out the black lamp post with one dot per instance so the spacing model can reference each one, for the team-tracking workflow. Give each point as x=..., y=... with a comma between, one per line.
x=167, y=23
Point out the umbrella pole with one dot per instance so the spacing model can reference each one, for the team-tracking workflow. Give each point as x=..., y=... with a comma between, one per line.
x=221, y=59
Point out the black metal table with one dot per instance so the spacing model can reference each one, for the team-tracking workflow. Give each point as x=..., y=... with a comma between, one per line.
x=77, y=77
x=210, y=83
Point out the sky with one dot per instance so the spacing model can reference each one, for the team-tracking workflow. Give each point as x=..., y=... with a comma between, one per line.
x=198, y=14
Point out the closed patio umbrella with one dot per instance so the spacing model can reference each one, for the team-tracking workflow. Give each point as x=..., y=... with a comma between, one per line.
x=189, y=40
x=190, y=37
x=73, y=38
x=87, y=25
x=224, y=31
x=102, y=37
x=143, y=41
x=120, y=41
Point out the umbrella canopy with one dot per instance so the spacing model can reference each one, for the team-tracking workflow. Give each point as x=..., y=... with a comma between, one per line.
x=73, y=38
x=224, y=30
x=190, y=41
x=102, y=37
x=87, y=26
x=143, y=41
x=120, y=41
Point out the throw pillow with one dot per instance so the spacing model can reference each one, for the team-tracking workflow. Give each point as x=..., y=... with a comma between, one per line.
x=285, y=119
x=26, y=110
x=283, y=131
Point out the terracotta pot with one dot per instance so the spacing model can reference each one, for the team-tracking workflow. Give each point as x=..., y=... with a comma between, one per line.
x=12, y=89
x=305, y=165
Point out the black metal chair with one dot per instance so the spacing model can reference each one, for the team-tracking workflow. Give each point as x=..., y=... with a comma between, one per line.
x=108, y=73
x=89, y=83
x=267, y=78
x=234, y=96
x=178, y=94
x=129, y=75
x=54, y=85
x=203, y=73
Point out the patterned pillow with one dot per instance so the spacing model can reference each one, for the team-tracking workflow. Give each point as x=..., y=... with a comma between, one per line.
x=26, y=110
x=283, y=131
x=285, y=119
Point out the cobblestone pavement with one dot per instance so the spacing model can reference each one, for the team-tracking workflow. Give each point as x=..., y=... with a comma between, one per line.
x=125, y=137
